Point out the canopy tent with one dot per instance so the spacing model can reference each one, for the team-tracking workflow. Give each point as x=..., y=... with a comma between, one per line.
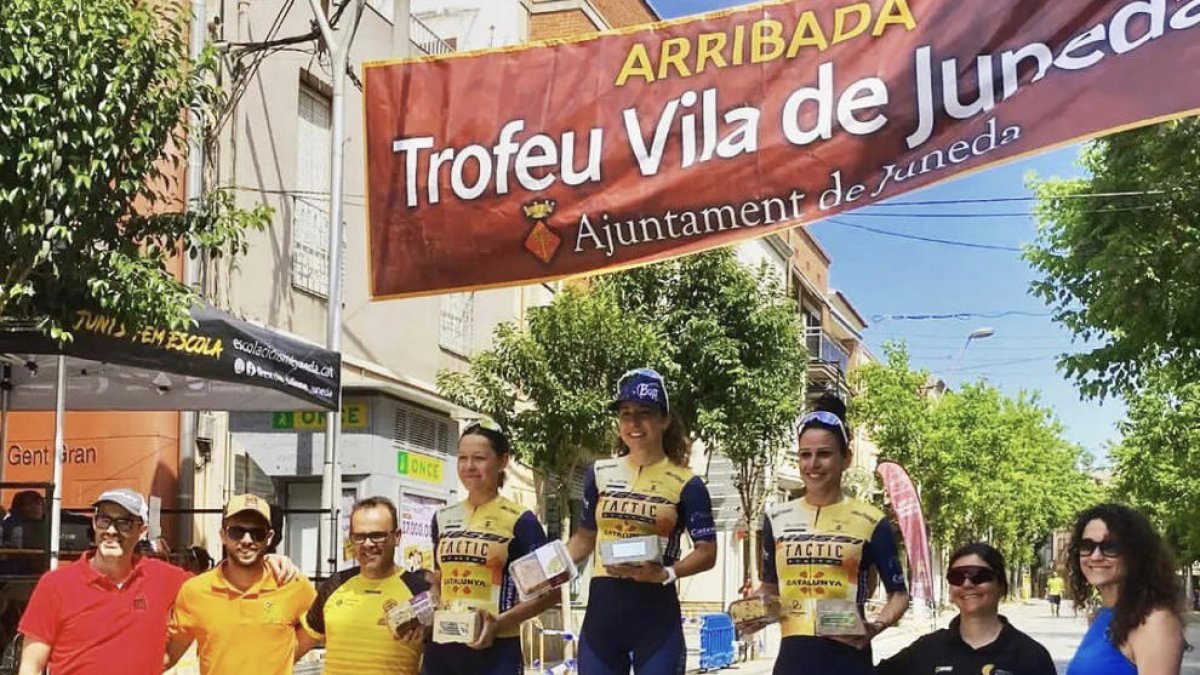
x=219, y=363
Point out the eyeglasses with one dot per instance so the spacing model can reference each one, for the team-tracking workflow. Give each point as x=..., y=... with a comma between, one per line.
x=826, y=418
x=957, y=576
x=1108, y=548
x=123, y=525
x=238, y=532
x=377, y=538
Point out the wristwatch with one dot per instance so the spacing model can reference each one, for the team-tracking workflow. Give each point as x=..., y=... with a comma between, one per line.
x=671, y=576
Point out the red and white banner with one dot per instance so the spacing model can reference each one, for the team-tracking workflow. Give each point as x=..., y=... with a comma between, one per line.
x=906, y=504
x=569, y=157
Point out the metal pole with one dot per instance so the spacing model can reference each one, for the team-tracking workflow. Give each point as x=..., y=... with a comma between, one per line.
x=331, y=475
x=194, y=190
x=5, y=393
x=60, y=408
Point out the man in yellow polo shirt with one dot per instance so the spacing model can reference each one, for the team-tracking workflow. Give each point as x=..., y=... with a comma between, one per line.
x=244, y=621
x=350, y=614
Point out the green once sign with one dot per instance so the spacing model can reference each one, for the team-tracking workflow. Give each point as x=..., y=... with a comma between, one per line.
x=419, y=467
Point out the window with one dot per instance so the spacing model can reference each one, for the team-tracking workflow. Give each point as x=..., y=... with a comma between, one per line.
x=458, y=314
x=310, y=202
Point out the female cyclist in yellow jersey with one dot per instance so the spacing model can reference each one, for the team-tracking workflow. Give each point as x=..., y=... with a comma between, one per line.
x=819, y=550
x=474, y=543
x=633, y=618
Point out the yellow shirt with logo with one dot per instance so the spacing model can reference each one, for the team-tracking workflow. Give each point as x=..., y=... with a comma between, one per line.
x=349, y=616
x=622, y=500
x=473, y=549
x=251, y=633
x=816, y=553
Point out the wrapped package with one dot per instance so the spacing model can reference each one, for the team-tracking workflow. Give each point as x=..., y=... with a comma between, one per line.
x=839, y=618
x=755, y=611
x=419, y=609
x=546, y=568
x=631, y=551
x=452, y=625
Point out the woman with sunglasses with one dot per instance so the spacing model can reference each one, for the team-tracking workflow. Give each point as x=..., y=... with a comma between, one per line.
x=474, y=542
x=1138, y=629
x=818, y=553
x=979, y=639
x=633, y=618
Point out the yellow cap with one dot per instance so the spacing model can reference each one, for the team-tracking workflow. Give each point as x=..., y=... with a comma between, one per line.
x=240, y=503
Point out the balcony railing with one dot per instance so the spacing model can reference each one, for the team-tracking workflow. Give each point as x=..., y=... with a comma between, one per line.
x=824, y=349
x=425, y=40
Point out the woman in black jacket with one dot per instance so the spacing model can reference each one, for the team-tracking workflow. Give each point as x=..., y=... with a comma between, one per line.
x=978, y=640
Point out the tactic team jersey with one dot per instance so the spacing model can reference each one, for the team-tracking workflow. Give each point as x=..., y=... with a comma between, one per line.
x=350, y=616
x=473, y=548
x=818, y=553
x=621, y=500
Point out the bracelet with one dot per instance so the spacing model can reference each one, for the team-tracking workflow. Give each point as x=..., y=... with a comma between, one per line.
x=671, y=576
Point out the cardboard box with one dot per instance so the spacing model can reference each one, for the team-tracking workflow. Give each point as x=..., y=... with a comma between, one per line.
x=631, y=551
x=546, y=568
x=461, y=626
x=756, y=610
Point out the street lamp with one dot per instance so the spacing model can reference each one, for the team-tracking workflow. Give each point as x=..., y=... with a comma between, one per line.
x=977, y=334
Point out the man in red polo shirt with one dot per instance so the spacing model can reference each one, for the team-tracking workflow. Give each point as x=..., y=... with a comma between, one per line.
x=107, y=613
x=104, y=613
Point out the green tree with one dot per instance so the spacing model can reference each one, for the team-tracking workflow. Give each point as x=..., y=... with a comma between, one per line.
x=737, y=343
x=1121, y=272
x=1157, y=463
x=549, y=383
x=987, y=465
x=92, y=101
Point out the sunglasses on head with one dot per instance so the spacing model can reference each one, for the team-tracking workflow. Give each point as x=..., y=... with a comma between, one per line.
x=828, y=419
x=1108, y=548
x=485, y=423
x=123, y=525
x=957, y=576
x=238, y=532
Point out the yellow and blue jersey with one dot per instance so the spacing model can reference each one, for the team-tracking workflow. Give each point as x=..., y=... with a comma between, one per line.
x=473, y=548
x=622, y=500
x=818, y=553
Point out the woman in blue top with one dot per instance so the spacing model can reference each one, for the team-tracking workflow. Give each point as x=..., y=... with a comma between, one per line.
x=1138, y=631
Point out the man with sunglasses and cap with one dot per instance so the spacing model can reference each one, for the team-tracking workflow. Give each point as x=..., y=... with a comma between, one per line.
x=102, y=614
x=238, y=608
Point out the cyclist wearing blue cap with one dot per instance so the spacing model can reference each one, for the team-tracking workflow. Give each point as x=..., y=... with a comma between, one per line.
x=820, y=550
x=633, y=617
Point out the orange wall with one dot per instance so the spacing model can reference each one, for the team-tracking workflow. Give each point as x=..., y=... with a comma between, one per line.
x=105, y=450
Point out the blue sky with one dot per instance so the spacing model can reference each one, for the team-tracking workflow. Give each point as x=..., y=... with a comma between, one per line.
x=887, y=276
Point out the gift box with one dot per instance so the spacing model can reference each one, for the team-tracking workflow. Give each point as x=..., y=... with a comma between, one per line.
x=631, y=551
x=546, y=568
x=450, y=626
x=839, y=618
x=756, y=610
x=401, y=615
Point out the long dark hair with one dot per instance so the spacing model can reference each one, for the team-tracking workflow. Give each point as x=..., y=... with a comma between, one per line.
x=1149, y=581
x=830, y=404
x=498, y=440
x=989, y=554
x=675, y=442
